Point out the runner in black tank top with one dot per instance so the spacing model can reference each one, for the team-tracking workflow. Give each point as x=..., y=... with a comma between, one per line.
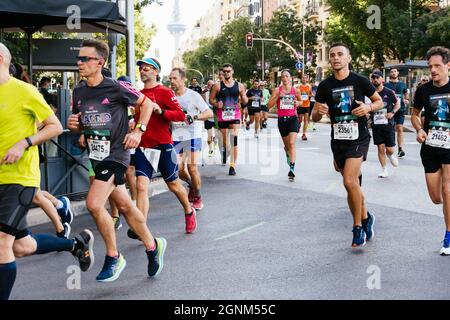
x=225, y=97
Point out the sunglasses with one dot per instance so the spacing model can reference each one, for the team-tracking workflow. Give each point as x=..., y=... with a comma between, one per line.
x=374, y=77
x=85, y=59
x=146, y=68
x=227, y=71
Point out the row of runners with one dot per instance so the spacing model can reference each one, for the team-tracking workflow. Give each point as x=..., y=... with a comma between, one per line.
x=100, y=111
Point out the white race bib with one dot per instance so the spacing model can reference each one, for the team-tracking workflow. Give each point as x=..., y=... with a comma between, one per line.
x=380, y=117
x=346, y=131
x=255, y=104
x=287, y=104
x=178, y=125
x=438, y=138
x=228, y=114
x=98, y=149
x=305, y=97
x=152, y=155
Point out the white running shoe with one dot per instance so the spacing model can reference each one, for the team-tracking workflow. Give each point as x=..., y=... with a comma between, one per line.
x=394, y=160
x=383, y=174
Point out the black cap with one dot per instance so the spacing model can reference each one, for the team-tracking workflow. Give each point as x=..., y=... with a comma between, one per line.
x=377, y=73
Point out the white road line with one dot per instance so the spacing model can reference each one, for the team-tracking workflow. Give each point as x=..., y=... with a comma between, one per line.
x=241, y=231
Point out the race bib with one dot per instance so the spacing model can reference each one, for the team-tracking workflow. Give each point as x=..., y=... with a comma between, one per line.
x=305, y=97
x=98, y=149
x=228, y=114
x=287, y=103
x=438, y=138
x=346, y=131
x=255, y=104
x=152, y=155
x=380, y=117
x=178, y=125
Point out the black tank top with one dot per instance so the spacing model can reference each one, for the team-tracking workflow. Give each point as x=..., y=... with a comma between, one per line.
x=229, y=96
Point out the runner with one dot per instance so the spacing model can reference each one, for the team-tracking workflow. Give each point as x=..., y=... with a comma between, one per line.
x=244, y=110
x=100, y=107
x=210, y=123
x=225, y=97
x=187, y=135
x=255, y=97
x=265, y=101
x=157, y=139
x=341, y=96
x=287, y=98
x=312, y=124
x=195, y=86
x=383, y=124
x=434, y=98
x=401, y=90
x=303, y=108
x=22, y=107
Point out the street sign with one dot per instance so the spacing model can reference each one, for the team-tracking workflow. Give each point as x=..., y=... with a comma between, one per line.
x=299, y=65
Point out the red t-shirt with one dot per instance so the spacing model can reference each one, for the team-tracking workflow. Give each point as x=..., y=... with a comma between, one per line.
x=158, y=131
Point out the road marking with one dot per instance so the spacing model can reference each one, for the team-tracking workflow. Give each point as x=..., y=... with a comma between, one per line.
x=241, y=231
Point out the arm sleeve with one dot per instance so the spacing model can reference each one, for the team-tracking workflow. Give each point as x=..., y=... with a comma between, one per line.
x=320, y=94
x=172, y=108
x=418, y=99
x=37, y=106
x=368, y=88
x=128, y=94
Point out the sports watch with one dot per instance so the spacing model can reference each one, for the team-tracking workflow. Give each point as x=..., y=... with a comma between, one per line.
x=141, y=127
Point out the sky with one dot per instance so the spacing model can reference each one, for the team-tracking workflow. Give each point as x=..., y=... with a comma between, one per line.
x=191, y=11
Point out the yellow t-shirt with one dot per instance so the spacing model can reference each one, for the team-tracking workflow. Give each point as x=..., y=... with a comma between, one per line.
x=21, y=106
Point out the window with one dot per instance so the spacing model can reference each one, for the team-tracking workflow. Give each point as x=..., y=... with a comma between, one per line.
x=229, y=15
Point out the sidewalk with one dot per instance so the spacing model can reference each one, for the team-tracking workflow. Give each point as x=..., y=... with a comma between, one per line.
x=36, y=216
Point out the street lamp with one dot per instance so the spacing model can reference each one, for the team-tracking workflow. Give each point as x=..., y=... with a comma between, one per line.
x=212, y=59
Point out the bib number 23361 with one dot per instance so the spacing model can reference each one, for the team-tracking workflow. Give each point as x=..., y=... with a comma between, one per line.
x=346, y=131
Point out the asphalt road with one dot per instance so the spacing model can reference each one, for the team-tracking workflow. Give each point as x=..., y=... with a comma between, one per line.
x=262, y=237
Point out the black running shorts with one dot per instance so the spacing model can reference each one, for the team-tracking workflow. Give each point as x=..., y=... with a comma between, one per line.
x=15, y=201
x=343, y=150
x=226, y=124
x=384, y=134
x=287, y=125
x=106, y=169
x=433, y=158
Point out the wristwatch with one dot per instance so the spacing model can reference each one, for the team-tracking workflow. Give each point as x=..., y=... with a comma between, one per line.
x=141, y=127
x=196, y=117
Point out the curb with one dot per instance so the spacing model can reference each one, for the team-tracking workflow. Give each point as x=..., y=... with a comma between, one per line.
x=36, y=216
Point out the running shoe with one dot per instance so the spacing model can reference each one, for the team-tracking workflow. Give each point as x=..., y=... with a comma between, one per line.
x=191, y=222
x=247, y=127
x=117, y=222
x=83, y=249
x=65, y=233
x=232, y=171
x=383, y=174
x=304, y=138
x=291, y=175
x=112, y=268
x=211, y=153
x=197, y=203
x=394, y=160
x=65, y=213
x=156, y=257
x=256, y=135
x=445, y=250
x=401, y=153
x=359, y=237
x=367, y=225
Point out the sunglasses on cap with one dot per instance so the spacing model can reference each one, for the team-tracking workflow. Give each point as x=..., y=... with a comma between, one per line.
x=85, y=59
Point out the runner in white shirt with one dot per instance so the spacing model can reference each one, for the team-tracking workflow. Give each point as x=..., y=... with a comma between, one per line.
x=187, y=136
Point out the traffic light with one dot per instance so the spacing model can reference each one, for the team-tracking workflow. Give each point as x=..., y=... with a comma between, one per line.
x=249, y=40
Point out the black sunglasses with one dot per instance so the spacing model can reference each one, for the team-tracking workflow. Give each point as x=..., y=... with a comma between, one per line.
x=85, y=59
x=227, y=71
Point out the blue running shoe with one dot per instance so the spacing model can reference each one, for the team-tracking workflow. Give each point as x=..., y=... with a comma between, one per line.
x=112, y=268
x=65, y=213
x=368, y=226
x=445, y=250
x=359, y=237
x=156, y=257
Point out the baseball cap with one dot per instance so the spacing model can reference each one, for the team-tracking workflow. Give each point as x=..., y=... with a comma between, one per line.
x=149, y=61
x=377, y=73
